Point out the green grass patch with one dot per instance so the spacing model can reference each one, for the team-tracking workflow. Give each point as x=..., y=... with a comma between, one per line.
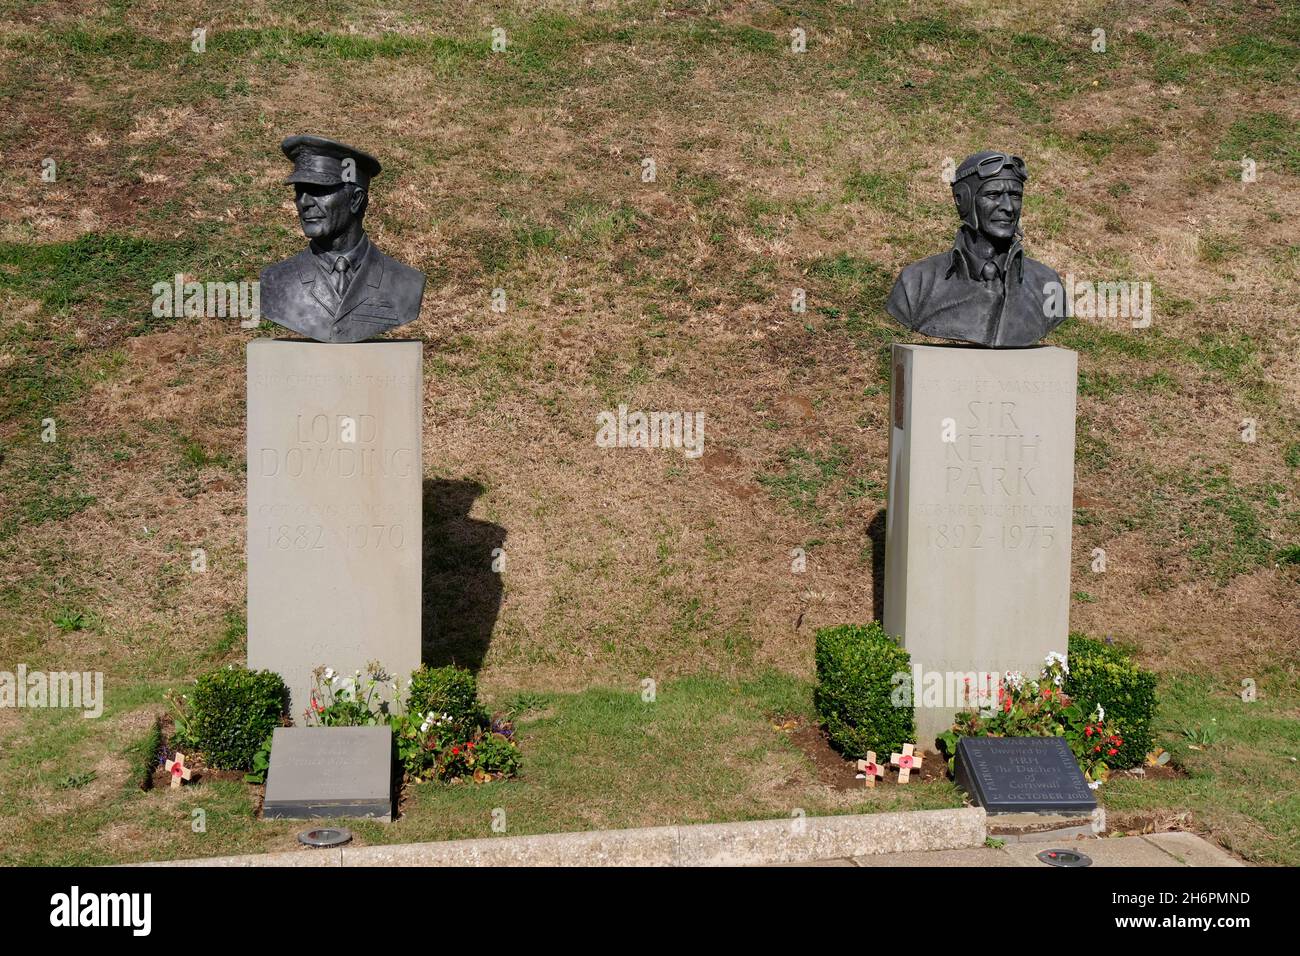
x=112, y=271
x=1226, y=528
x=850, y=280
x=1217, y=249
x=887, y=191
x=1231, y=356
x=1257, y=57
x=1092, y=339
x=1267, y=138
x=1104, y=384
x=1244, y=786
x=803, y=477
x=45, y=375
x=42, y=485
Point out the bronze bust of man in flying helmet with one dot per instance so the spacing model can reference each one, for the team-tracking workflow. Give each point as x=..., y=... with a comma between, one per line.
x=984, y=290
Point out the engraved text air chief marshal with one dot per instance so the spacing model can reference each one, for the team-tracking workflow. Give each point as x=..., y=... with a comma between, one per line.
x=985, y=289
x=340, y=288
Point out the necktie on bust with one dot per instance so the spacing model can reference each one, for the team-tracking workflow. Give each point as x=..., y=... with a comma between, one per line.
x=341, y=266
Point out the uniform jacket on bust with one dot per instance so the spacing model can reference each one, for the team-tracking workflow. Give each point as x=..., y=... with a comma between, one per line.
x=943, y=296
x=380, y=295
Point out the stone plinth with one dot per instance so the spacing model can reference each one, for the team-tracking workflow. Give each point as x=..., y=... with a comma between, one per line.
x=334, y=508
x=981, y=484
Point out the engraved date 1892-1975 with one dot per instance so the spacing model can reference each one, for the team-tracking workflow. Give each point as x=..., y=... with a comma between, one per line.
x=1009, y=537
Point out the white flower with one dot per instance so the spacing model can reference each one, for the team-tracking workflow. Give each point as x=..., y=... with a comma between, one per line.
x=1094, y=784
x=1056, y=657
x=329, y=673
x=1015, y=679
x=1100, y=714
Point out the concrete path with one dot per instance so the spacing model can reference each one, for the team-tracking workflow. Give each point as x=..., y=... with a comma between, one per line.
x=910, y=838
x=1155, y=849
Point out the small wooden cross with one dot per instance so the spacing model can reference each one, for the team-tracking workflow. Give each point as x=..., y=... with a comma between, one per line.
x=178, y=770
x=870, y=769
x=906, y=762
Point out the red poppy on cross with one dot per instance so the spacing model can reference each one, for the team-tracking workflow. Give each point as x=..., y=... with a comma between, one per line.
x=906, y=762
x=870, y=769
x=178, y=770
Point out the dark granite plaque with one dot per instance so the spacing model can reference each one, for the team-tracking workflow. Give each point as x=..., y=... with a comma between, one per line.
x=330, y=772
x=1022, y=775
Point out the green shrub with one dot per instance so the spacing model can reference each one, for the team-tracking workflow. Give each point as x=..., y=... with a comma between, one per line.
x=1100, y=674
x=498, y=753
x=231, y=712
x=447, y=690
x=445, y=733
x=855, y=669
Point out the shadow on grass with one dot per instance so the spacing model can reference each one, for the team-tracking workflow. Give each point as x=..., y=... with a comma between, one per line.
x=876, y=532
x=461, y=591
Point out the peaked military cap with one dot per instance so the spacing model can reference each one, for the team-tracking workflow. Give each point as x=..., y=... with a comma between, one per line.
x=325, y=162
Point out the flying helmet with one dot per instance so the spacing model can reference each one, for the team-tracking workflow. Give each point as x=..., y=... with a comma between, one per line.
x=974, y=170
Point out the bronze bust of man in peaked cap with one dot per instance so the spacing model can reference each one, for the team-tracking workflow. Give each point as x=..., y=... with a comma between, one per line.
x=985, y=289
x=340, y=288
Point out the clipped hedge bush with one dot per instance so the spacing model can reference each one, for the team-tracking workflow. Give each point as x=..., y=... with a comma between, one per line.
x=1100, y=674
x=232, y=711
x=855, y=667
x=447, y=690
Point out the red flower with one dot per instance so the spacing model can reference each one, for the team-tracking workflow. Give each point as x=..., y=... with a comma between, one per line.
x=1111, y=752
x=1088, y=730
x=470, y=745
x=1096, y=750
x=455, y=751
x=1006, y=705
